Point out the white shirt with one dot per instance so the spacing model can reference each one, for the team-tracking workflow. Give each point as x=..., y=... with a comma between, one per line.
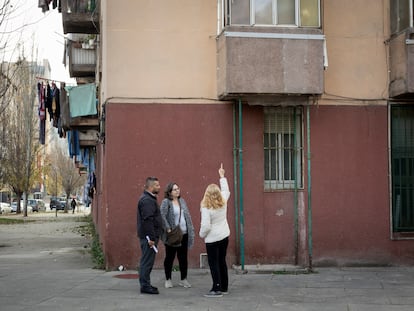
x=214, y=226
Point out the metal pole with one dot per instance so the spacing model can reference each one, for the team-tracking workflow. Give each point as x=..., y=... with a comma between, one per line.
x=310, y=246
x=241, y=185
x=295, y=198
x=235, y=180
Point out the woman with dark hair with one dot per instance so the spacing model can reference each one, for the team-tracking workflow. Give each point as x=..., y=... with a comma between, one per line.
x=174, y=212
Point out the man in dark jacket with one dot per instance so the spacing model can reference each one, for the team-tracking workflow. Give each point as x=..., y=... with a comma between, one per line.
x=149, y=228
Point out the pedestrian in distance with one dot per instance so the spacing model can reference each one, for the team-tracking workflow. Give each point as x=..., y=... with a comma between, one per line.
x=73, y=205
x=174, y=212
x=215, y=231
x=149, y=229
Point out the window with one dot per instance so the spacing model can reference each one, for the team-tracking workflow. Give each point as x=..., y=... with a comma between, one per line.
x=283, y=148
x=402, y=167
x=303, y=13
x=401, y=12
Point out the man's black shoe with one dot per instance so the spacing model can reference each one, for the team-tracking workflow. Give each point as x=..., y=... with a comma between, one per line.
x=149, y=290
x=153, y=287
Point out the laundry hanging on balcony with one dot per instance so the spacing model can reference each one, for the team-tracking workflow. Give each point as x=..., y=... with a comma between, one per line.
x=82, y=100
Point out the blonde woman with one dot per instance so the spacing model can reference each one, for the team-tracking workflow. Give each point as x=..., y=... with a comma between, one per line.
x=215, y=231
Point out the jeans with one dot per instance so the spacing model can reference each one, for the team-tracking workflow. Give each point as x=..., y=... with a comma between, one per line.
x=146, y=264
x=216, y=255
x=181, y=256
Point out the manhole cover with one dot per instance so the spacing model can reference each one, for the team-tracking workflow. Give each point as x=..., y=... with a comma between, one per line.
x=126, y=276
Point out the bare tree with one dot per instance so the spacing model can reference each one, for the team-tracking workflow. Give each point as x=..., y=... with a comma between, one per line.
x=64, y=172
x=10, y=48
x=20, y=147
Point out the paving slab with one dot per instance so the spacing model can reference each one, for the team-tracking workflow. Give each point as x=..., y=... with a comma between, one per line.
x=46, y=265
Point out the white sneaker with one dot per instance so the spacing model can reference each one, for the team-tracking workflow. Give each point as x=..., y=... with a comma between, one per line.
x=184, y=283
x=168, y=284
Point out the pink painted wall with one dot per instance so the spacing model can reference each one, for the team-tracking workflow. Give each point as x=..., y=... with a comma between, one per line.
x=186, y=143
x=350, y=190
x=181, y=143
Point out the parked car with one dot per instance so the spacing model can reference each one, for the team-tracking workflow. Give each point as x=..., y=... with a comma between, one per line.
x=33, y=204
x=30, y=207
x=4, y=208
x=41, y=205
x=58, y=203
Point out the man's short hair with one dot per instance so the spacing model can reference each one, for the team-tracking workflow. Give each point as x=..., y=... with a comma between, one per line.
x=150, y=181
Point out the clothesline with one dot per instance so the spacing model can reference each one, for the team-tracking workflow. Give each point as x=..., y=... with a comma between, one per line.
x=53, y=80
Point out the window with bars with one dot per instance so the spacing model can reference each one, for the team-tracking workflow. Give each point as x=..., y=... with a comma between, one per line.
x=302, y=13
x=283, y=148
x=402, y=167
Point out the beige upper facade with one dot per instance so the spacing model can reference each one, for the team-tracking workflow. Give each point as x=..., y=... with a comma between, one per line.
x=156, y=49
x=169, y=49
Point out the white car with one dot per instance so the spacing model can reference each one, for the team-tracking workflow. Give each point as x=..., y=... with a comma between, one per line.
x=14, y=207
x=5, y=208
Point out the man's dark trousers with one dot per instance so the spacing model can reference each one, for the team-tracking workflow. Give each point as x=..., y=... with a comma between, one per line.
x=146, y=264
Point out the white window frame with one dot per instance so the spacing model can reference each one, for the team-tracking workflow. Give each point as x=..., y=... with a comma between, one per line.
x=227, y=8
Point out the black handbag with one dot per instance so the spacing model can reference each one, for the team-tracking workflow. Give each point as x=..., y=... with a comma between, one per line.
x=175, y=236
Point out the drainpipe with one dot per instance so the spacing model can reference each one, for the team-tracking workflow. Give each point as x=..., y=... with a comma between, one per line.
x=310, y=246
x=235, y=184
x=295, y=196
x=240, y=150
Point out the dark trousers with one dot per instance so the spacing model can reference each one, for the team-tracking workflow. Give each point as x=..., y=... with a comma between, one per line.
x=181, y=252
x=146, y=264
x=216, y=255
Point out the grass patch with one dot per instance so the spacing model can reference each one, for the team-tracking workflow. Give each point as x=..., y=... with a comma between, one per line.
x=13, y=221
x=88, y=229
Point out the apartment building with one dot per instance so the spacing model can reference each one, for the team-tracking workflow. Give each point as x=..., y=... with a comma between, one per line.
x=307, y=103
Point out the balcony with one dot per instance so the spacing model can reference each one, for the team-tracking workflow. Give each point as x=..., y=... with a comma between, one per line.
x=82, y=61
x=80, y=16
x=401, y=63
x=263, y=62
x=84, y=123
x=88, y=138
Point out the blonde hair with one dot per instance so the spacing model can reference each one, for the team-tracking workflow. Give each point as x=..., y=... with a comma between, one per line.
x=212, y=197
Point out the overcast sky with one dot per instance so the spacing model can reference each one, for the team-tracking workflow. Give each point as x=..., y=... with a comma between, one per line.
x=43, y=31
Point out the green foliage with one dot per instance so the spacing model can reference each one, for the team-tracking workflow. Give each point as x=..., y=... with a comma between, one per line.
x=12, y=221
x=88, y=229
x=97, y=253
x=96, y=249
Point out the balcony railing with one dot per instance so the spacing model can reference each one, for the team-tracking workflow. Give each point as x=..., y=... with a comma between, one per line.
x=263, y=62
x=80, y=16
x=82, y=60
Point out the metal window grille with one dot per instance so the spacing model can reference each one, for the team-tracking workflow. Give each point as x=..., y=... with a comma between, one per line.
x=402, y=167
x=283, y=148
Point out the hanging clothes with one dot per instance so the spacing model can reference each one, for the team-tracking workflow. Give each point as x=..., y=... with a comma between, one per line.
x=82, y=100
x=55, y=104
x=41, y=93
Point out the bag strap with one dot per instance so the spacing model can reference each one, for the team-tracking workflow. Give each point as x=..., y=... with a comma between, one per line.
x=179, y=204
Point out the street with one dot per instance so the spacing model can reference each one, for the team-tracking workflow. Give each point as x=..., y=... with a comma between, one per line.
x=45, y=264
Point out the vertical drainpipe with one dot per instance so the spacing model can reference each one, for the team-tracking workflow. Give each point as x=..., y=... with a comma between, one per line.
x=295, y=197
x=310, y=246
x=235, y=150
x=241, y=186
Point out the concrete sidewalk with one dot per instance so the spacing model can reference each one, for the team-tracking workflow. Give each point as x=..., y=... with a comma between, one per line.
x=53, y=272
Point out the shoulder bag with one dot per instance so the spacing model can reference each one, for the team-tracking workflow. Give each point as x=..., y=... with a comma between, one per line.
x=175, y=236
